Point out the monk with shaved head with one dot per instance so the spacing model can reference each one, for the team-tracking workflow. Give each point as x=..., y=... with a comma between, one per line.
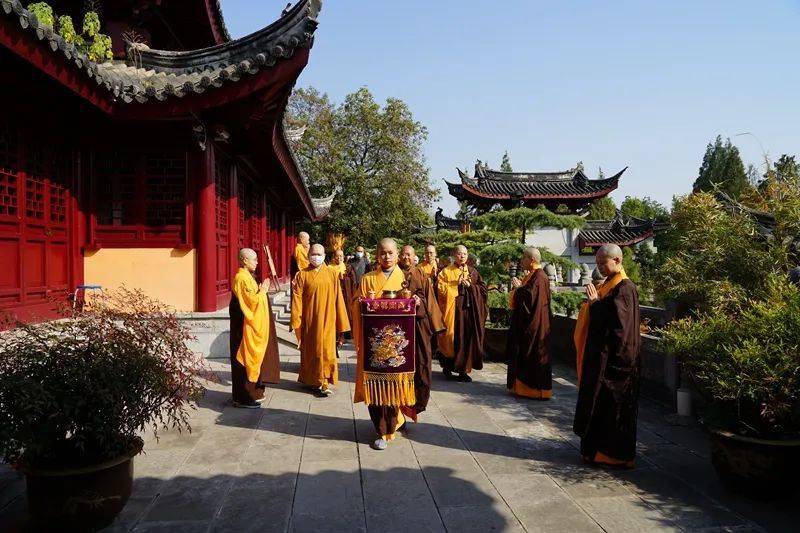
x=529, y=373
x=396, y=272
x=253, y=342
x=319, y=318
x=462, y=299
x=607, y=342
x=300, y=254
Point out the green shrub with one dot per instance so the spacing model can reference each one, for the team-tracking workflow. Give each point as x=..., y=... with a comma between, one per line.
x=79, y=391
x=100, y=48
x=745, y=360
x=91, y=23
x=497, y=300
x=566, y=303
x=43, y=13
x=717, y=257
x=66, y=29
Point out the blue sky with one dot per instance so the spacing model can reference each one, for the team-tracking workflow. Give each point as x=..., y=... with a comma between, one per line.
x=644, y=84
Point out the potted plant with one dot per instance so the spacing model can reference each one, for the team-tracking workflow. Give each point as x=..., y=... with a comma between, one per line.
x=77, y=394
x=738, y=342
x=744, y=361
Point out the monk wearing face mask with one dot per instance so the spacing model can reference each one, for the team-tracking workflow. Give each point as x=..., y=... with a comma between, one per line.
x=319, y=317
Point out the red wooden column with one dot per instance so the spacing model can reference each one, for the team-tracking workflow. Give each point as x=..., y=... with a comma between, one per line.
x=235, y=204
x=205, y=220
x=285, y=250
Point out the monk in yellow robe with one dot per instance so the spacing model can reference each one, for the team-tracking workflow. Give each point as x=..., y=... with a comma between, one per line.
x=300, y=254
x=607, y=340
x=319, y=318
x=391, y=276
x=462, y=299
x=253, y=342
x=429, y=265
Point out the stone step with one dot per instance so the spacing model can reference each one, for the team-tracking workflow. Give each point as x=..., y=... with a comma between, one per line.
x=284, y=335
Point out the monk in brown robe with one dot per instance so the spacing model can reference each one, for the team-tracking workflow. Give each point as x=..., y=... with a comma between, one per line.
x=253, y=342
x=318, y=320
x=387, y=419
x=462, y=299
x=429, y=323
x=346, y=279
x=607, y=339
x=529, y=372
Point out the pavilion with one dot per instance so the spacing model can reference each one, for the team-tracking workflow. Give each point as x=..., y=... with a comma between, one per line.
x=567, y=191
x=153, y=168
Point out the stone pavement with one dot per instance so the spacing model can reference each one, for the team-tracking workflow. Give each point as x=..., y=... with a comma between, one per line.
x=479, y=460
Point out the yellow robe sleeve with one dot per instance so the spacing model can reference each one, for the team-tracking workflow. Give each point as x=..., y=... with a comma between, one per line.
x=255, y=336
x=301, y=257
x=297, y=302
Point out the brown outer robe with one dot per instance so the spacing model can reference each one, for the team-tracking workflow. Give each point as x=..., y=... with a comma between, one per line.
x=428, y=323
x=605, y=416
x=243, y=390
x=349, y=287
x=470, y=325
x=529, y=334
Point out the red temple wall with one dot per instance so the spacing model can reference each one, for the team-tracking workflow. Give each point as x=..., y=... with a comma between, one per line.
x=65, y=209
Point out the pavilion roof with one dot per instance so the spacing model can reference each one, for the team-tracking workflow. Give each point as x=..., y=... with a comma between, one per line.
x=158, y=75
x=493, y=184
x=445, y=222
x=622, y=230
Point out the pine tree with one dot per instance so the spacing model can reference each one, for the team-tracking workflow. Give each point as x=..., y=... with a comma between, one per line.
x=505, y=166
x=603, y=209
x=722, y=169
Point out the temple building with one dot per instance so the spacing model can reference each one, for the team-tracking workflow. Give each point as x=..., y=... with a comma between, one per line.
x=569, y=191
x=153, y=168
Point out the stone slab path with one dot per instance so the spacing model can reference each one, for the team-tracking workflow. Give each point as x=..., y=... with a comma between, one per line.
x=479, y=460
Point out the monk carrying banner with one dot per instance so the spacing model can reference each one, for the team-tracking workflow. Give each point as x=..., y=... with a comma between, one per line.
x=401, y=389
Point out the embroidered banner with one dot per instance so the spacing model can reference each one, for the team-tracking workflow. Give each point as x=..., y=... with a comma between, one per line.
x=389, y=350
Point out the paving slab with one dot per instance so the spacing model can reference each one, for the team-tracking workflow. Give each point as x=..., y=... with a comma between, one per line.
x=478, y=460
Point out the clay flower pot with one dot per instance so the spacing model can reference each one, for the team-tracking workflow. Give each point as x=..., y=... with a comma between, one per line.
x=761, y=468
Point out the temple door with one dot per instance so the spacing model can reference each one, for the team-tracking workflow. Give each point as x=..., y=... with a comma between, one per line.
x=35, y=180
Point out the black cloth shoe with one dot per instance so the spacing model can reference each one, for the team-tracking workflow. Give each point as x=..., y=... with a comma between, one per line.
x=447, y=373
x=464, y=378
x=252, y=405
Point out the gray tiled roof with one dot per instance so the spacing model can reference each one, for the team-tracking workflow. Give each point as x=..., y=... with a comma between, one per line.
x=622, y=230
x=158, y=75
x=502, y=185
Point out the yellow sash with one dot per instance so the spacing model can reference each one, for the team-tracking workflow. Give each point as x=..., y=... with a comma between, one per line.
x=582, y=325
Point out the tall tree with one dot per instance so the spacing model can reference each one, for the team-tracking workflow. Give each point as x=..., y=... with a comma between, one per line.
x=371, y=155
x=787, y=169
x=603, y=209
x=722, y=168
x=645, y=208
x=505, y=166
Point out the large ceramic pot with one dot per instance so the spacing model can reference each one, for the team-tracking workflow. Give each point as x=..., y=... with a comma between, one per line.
x=80, y=499
x=758, y=467
x=494, y=343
